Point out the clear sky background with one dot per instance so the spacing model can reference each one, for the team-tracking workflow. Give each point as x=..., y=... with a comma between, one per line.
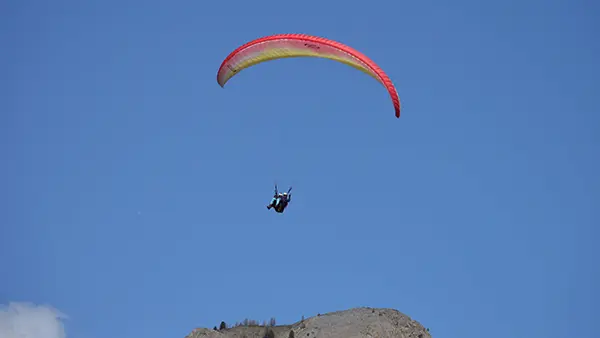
x=133, y=187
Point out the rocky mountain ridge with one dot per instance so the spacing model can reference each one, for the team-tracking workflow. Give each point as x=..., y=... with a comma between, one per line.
x=353, y=323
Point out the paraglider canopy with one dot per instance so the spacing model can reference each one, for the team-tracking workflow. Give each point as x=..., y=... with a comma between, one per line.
x=301, y=45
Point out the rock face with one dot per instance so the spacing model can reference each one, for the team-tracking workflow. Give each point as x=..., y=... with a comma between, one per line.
x=353, y=323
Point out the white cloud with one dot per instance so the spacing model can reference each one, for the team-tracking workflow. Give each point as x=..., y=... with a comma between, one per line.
x=26, y=320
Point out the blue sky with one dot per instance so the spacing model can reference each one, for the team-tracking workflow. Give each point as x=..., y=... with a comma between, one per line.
x=134, y=187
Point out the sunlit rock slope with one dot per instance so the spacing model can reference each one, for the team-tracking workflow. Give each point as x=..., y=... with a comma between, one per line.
x=353, y=323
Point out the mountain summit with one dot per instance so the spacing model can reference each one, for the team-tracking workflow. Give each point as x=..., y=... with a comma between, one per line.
x=361, y=322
